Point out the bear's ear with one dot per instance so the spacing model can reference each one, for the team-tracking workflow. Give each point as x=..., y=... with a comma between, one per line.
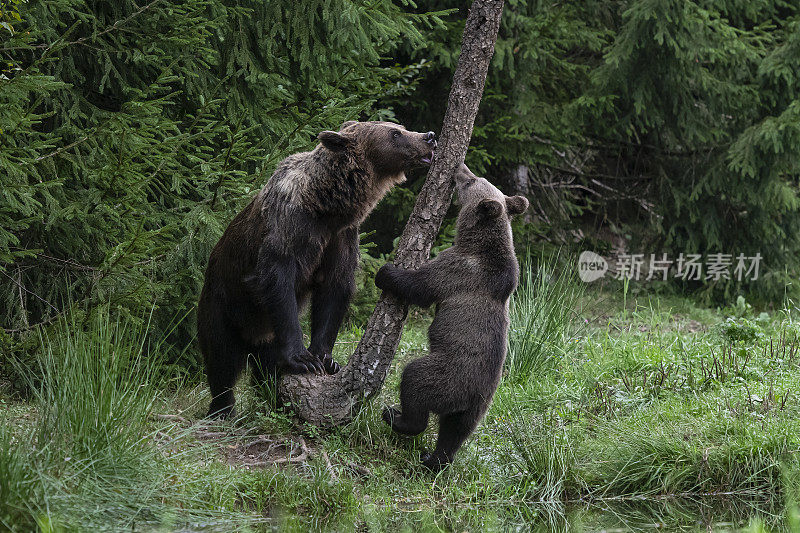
x=490, y=208
x=333, y=141
x=348, y=123
x=516, y=204
x=463, y=173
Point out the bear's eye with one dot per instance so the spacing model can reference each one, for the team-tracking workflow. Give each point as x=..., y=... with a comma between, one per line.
x=395, y=134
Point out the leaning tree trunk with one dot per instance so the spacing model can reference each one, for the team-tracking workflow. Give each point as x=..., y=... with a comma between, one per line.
x=333, y=400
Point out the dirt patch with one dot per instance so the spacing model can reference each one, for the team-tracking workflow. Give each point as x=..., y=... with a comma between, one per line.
x=242, y=448
x=264, y=451
x=237, y=447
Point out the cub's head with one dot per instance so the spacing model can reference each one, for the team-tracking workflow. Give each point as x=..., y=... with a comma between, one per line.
x=389, y=148
x=483, y=206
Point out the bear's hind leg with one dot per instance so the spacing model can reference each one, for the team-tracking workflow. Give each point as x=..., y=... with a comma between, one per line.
x=454, y=429
x=331, y=296
x=225, y=356
x=411, y=424
x=413, y=417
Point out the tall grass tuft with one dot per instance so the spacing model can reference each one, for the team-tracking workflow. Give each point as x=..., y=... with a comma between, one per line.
x=540, y=456
x=89, y=449
x=542, y=312
x=655, y=455
x=93, y=458
x=20, y=490
x=96, y=388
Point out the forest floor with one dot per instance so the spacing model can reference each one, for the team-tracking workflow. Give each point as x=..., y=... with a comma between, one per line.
x=652, y=413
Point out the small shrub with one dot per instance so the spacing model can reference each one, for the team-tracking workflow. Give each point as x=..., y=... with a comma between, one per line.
x=741, y=330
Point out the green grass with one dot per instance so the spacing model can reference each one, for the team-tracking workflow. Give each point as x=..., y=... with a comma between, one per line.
x=19, y=491
x=633, y=414
x=543, y=319
x=86, y=455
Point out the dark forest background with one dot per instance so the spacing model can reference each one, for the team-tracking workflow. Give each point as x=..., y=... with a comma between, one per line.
x=132, y=132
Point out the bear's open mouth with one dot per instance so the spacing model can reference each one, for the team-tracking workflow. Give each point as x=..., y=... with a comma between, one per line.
x=427, y=158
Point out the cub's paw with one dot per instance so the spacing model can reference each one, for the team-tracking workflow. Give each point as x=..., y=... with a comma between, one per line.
x=302, y=362
x=432, y=461
x=384, y=275
x=390, y=415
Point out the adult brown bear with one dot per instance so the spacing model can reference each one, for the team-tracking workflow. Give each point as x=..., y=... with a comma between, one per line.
x=470, y=283
x=297, y=239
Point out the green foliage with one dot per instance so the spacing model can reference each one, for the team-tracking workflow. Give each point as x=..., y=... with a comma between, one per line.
x=672, y=121
x=130, y=134
x=647, y=409
x=9, y=14
x=19, y=491
x=701, y=88
x=290, y=496
x=600, y=427
x=367, y=296
x=84, y=379
x=740, y=330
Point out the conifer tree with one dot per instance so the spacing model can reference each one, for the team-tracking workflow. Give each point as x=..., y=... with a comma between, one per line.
x=131, y=132
x=673, y=120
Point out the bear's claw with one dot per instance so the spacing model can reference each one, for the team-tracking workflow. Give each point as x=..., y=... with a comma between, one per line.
x=304, y=363
x=329, y=364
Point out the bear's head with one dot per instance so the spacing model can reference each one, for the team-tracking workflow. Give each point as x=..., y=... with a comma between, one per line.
x=484, y=208
x=389, y=148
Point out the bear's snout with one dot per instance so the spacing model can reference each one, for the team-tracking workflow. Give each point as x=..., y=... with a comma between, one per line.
x=429, y=139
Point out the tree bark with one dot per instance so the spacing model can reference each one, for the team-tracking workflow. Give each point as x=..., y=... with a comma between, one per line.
x=329, y=401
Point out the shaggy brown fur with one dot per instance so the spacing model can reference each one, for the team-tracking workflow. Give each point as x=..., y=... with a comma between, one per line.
x=470, y=283
x=298, y=239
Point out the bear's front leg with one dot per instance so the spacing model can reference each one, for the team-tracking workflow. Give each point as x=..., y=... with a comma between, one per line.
x=410, y=286
x=274, y=286
x=331, y=296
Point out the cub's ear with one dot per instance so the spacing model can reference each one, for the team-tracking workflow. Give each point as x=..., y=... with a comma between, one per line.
x=490, y=208
x=348, y=123
x=463, y=173
x=333, y=141
x=516, y=204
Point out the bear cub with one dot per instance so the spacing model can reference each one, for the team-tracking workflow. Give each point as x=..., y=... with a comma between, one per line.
x=297, y=240
x=470, y=283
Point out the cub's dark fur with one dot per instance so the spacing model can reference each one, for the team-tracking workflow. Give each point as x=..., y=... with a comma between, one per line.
x=470, y=283
x=298, y=239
